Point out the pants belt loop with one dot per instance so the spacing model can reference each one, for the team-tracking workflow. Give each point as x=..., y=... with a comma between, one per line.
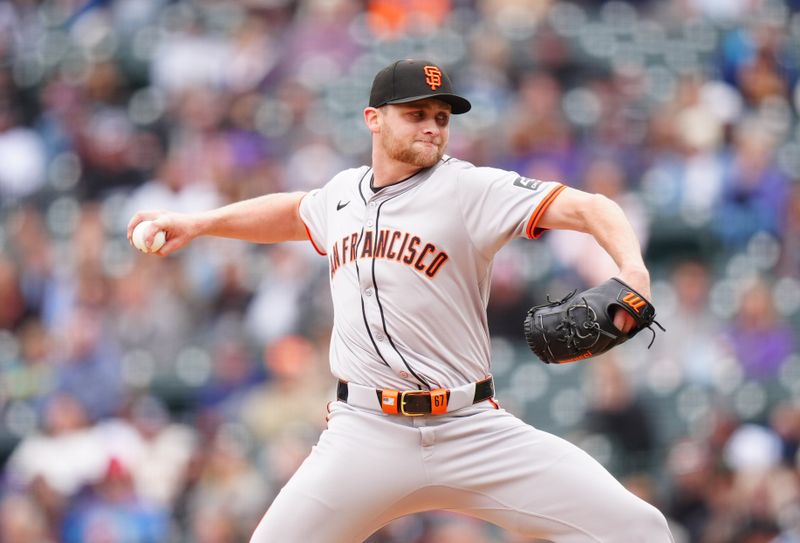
x=439, y=399
x=390, y=401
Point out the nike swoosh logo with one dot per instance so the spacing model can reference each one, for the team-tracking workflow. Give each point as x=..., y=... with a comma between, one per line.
x=340, y=205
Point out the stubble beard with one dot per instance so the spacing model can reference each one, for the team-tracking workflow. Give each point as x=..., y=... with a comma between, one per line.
x=405, y=153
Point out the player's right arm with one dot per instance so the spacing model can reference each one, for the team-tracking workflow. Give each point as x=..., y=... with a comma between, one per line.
x=604, y=220
x=271, y=218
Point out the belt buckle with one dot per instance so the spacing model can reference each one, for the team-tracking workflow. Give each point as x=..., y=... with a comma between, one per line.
x=403, y=402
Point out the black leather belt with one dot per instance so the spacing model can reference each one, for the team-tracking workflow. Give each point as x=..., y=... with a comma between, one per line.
x=415, y=402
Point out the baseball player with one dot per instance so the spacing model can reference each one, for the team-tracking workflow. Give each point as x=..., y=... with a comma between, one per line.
x=410, y=241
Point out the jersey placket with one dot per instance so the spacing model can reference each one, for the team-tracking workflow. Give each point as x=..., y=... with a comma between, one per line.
x=372, y=303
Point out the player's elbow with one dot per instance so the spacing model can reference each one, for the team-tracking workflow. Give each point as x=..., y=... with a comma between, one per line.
x=594, y=209
x=601, y=204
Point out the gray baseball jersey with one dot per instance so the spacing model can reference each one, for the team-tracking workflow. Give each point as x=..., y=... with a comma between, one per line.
x=424, y=242
x=397, y=257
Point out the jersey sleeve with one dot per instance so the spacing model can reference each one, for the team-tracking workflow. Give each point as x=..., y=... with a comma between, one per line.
x=313, y=213
x=500, y=205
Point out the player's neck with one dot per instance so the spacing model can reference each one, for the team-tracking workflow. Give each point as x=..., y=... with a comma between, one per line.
x=387, y=171
x=383, y=177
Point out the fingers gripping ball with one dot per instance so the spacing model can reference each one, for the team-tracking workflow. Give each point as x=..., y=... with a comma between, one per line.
x=138, y=240
x=581, y=325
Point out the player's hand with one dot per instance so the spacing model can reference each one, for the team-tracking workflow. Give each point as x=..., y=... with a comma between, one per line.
x=623, y=321
x=180, y=229
x=639, y=280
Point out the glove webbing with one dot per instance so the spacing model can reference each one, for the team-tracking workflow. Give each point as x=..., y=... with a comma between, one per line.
x=571, y=328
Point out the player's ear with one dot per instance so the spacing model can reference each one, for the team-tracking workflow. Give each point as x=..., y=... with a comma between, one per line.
x=372, y=119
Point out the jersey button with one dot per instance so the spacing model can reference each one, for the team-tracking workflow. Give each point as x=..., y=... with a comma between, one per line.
x=368, y=292
x=372, y=204
x=379, y=337
x=370, y=222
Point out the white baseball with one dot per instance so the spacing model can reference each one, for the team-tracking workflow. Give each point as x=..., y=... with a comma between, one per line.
x=137, y=238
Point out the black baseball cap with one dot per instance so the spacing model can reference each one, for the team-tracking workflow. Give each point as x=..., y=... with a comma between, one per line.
x=409, y=80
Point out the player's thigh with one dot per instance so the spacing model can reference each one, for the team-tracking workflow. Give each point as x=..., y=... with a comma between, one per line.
x=296, y=515
x=361, y=465
x=534, y=483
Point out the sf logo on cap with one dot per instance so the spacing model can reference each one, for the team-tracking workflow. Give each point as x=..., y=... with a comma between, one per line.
x=433, y=76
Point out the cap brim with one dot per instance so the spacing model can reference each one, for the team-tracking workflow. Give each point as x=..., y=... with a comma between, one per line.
x=459, y=105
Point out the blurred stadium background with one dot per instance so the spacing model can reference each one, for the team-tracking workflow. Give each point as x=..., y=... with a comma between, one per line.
x=167, y=400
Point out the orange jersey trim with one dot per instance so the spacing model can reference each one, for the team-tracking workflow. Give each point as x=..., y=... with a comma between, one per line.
x=536, y=216
x=308, y=232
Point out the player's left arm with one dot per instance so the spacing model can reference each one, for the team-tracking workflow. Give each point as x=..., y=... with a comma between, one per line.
x=604, y=220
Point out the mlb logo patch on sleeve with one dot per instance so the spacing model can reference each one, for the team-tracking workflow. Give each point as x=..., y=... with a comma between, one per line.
x=527, y=183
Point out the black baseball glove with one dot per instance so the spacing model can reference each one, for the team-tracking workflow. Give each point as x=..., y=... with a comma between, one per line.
x=581, y=325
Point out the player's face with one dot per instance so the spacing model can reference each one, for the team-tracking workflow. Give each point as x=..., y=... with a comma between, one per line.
x=416, y=133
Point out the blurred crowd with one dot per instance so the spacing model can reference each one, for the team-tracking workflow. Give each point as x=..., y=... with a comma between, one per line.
x=167, y=400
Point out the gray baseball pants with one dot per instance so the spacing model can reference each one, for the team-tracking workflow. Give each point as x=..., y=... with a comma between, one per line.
x=369, y=468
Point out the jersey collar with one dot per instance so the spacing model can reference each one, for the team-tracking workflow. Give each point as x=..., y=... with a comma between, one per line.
x=398, y=187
